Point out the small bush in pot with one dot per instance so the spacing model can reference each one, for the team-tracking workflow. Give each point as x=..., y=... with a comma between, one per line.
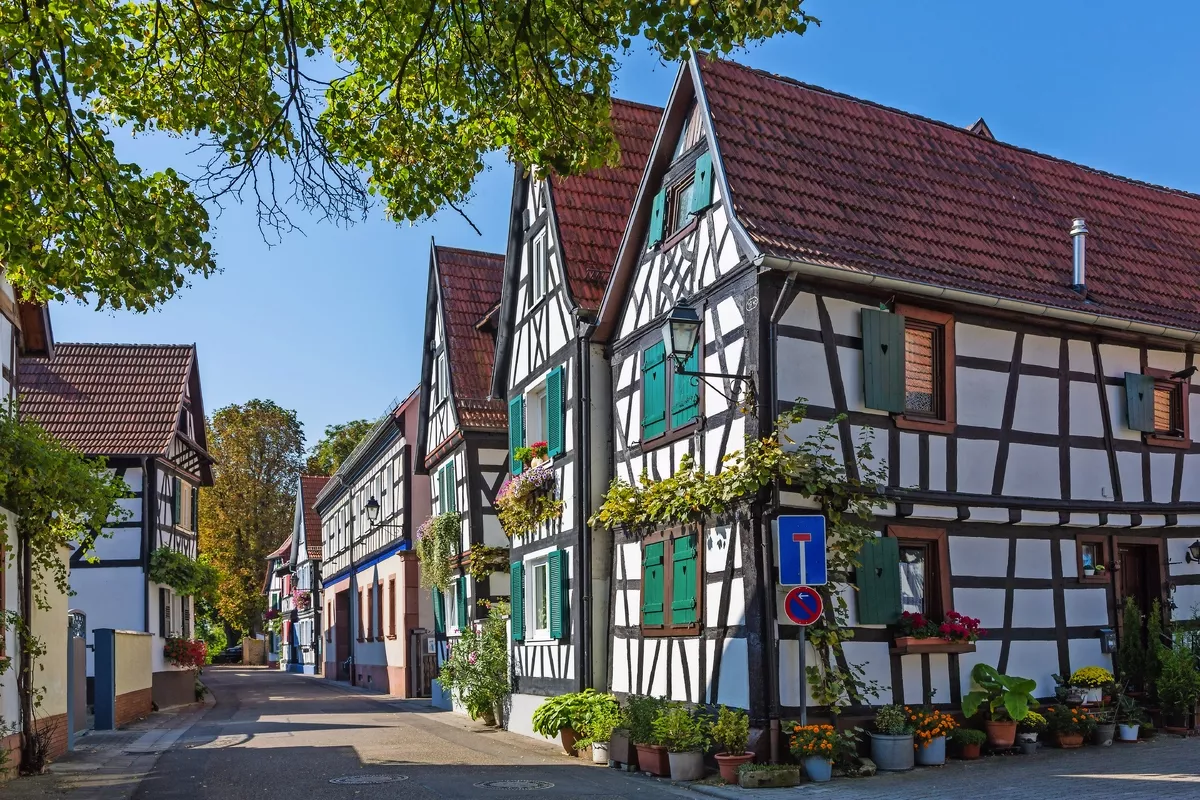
x=1070, y=725
x=930, y=728
x=1029, y=728
x=1004, y=700
x=892, y=739
x=568, y=714
x=968, y=741
x=685, y=738
x=640, y=713
x=1178, y=685
x=1129, y=718
x=732, y=732
x=603, y=717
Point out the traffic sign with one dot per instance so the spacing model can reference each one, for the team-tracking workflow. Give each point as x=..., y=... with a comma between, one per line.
x=803, y=605
x=802, y=550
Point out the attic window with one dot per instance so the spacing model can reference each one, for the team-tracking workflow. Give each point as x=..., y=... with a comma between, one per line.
x=679, y=204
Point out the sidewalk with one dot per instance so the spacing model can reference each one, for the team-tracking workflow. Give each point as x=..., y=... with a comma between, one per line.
x=108, y=765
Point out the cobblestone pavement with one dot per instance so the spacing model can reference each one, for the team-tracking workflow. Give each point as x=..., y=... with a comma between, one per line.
x=1167, y=767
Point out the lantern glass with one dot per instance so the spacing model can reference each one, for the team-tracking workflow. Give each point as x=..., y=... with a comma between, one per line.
x=372, y=509
x=680, y=332
x=1194, y=551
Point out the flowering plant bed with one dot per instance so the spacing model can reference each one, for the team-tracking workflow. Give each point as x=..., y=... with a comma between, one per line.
x=928, y=724
x=527, y=500
x=538, y=451
x=1091, y=678
x=190, y=653
x=302, y=599
x=957, y=633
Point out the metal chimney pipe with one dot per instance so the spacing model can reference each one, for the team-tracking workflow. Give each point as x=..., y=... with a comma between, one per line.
x=1079, y=233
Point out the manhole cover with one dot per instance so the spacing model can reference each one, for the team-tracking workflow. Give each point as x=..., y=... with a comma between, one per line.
x=516, y=785
x=361, y=780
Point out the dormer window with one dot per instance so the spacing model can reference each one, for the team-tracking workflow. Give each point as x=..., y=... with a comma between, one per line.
x=684, y=196
x=679, y=204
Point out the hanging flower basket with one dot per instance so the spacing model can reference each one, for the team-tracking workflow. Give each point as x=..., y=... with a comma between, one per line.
x=301, y=599
x=528, y=500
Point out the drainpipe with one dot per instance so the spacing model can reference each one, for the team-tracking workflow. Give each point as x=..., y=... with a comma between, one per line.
x=582, y=496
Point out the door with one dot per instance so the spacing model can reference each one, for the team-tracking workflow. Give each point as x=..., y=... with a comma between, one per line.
x=341, y=635
x=1138, y=578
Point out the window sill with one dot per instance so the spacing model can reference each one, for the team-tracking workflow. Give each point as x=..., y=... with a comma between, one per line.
x=909, y=645
x=673, y=630
x=675, y=238
x=1174, y=442
x=1101, y=579
x=907, y=423
x=672, y=435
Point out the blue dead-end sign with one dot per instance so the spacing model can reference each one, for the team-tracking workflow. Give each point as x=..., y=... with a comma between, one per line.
x=803, y=605
x=802, y=550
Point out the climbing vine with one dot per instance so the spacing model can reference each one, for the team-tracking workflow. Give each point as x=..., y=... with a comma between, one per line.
x=438, y=540
x=186, y=575
x=812, y=467
x=482, y=560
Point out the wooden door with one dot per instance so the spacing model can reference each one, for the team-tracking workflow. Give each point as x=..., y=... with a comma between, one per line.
x=1138, y=578
x=341, y=635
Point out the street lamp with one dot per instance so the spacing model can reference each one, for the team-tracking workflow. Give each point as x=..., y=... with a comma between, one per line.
x=372, y=510
x=680, y=333
x=1193, y=552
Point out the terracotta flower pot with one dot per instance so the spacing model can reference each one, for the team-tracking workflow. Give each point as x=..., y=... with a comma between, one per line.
x=1069, y=741
x=569, y=737
x=1000, y=735
x=728, y=764
x=653, y=758
x=968, y=752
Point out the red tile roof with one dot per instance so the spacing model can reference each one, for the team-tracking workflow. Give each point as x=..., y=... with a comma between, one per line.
x=593, y=208
x=310, y=487
x=108, y=399
x=825, y=178
x=282, y=550
x=470, y=286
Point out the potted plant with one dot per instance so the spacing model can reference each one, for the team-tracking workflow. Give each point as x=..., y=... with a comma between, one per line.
x=956, y=633
x=732, y=732
x=1004, y=699
x=1028, y=730
x=930, y=728
x=685, y=738
x=892, y=739
x=603, y=716
x=1178, y=686
x=1092, y=680
x=1070, y=725
x=968, y=741
x=640, y=712
x=566, y=715
x=1106, y=726
x=816, y=747
x=1129, y=717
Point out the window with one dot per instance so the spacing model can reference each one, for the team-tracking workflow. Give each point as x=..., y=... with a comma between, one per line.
x=379, y=611
x=685, y=193
x=540, y=600
x=361, y=609
x=329, y=622
x=671, y=583
x=908, y=366
x=1158, y=406
x=183, y=507
x=1092, y=551
x=924, y=570
x=392, y=607
x=664, y=388
x=460, y=603
x=536, y=415
x=679, y=205
x=539, y=269
x=448, y=487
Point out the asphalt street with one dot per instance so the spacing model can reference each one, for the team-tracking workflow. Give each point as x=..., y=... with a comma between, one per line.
x=280, y=735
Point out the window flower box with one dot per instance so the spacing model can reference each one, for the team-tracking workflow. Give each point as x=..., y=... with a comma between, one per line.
x=909, y=645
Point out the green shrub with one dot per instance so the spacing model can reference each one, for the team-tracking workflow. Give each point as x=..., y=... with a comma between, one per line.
x=731, y=730
x=1178, y=686
x=640, y=713
x=967, y=736
x=891, y=720
x=1000, y=696
x=575, y=710
x=680, y=730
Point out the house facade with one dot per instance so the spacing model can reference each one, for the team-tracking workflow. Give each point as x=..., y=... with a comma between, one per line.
x=141, y=408
x=1011, y=332
x=304, y=562
x=461, y=430
x=277, y=589
x=376, y=617
x=563, y=240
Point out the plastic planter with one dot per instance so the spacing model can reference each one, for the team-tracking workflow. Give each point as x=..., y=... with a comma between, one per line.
x=1127, y=733
x=818, y=769
x=1103, y=734
x=686, y=766
x=892, y=753
x=932, y=753
x=599, y=752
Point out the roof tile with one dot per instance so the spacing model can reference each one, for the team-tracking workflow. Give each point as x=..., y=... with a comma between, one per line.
x=470, y=285
x=310, y=487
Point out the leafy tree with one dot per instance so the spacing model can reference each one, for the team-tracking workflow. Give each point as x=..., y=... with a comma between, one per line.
x=59, y=498
x=338, y=443
x=400, y=99
x=259, y=448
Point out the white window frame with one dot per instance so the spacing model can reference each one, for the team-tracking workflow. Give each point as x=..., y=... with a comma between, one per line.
x=538, y=634
x=535, y=414
x=539, y=268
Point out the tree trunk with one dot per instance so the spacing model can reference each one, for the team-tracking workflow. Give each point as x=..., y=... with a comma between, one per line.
x=25, y=677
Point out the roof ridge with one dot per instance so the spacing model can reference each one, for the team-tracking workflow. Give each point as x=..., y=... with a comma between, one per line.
x=466, y=250
x=191, y=346
x=955, y=128
x=635, y=104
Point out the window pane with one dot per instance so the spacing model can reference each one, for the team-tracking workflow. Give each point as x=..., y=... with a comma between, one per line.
x=1166, y=415
x=541, y=616
x=913, y=566
x=1090, y=556
x=920, y=372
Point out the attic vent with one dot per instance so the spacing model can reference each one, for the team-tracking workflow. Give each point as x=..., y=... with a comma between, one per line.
x=980, y=128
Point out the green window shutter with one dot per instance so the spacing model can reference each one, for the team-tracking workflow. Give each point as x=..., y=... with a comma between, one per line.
x=441, y=478
x=554, y=412
x=683, y=580
x=516, y=432
x=439, y=613
x=1139, y=397
x=657, y=214
x=652, y=583
x=451, y=487
x=685, y=392
x=883, y=360
x=460, y=600
x=702, y=186
x=878, y=582
x=195, y=509
x=654, y=392
x=516, y=575
x=176, y=501
x=559, y=580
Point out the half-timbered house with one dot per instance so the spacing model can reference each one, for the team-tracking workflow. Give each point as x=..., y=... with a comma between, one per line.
x=1017, y=332
x=375, y=613
x=140, y=407
x=277, y=589
x=461, y=431
x=563, y=240
x=305, y=564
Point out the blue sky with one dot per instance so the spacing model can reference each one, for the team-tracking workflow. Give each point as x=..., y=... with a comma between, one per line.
x=330, y=323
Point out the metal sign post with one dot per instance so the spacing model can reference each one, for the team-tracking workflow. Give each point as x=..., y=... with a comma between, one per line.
x=800, y=541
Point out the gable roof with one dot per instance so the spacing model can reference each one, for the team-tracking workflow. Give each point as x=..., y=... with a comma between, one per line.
x=592, y=209
x=112, y=399
x=825, y=179
x=469, y=284
x=310, y=487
